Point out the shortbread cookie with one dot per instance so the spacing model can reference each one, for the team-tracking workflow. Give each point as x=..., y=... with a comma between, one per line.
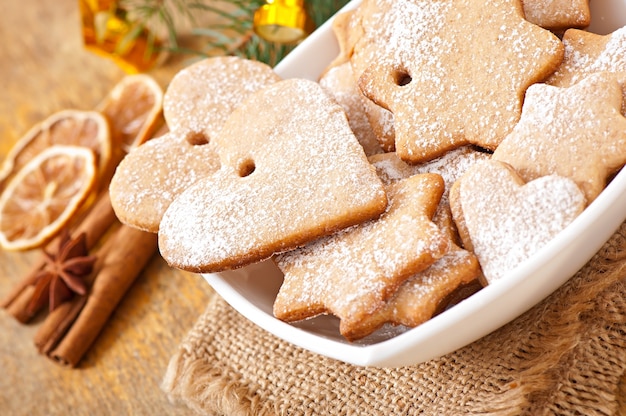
x=452, y=72
x=558, y=15
x=352, y=30
x=339, y=82
x=152, y=175
x=587, y=53
x=195, y=105
x=422, y=296
x=292, y=171
x=507, y=220
x=451, y=166
x=354, y=272
x=201, y=96
x=347, y=29
x=577, y=132
x=382, y=123
x=451, y=278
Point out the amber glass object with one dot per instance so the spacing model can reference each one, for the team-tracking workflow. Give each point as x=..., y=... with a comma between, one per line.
x=282, y=21
x=108, y=32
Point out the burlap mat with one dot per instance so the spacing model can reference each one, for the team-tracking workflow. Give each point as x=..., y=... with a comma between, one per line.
x=565, y=356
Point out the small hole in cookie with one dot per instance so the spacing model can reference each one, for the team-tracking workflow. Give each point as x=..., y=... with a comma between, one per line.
x=246, y=167
x=402, y=78
x=197, y=138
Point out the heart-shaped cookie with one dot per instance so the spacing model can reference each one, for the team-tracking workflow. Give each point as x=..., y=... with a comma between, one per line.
x=292, y=171
x=150, y=177
x=201, y=96
x=197, y=102
x=576, y=132
x=506, y=220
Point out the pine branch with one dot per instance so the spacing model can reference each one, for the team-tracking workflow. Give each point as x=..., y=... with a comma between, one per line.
x=230, y=32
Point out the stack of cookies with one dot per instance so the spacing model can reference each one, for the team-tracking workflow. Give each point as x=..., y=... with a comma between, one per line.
x=446, y=144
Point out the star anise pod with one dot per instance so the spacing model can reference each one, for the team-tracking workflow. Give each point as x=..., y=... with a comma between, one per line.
x=63, y=274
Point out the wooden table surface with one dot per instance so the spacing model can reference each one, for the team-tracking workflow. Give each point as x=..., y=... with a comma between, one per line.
x=43, y=69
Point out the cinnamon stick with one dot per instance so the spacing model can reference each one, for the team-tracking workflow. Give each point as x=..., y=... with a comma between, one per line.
x=57, y=323
x=95, y=224
x=121, y=259
x=18, y=307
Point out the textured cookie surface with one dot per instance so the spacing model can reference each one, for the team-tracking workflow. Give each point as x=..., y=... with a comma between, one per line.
x=441, y=96
x=346, y=28
x=149, y=178
x=421, y=296
x=576, y=132
x=451, y=166
x=201, y=96
x=380, y=119
x=508, y=220
x=558, y=15
x=196, y=103
x=339, y=82
x=352, y=273
x=292, y=171
x=587, y=53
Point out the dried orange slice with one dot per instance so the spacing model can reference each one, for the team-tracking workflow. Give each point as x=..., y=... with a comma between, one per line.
x=42, y=197
x=133, y=108
x=88, y=129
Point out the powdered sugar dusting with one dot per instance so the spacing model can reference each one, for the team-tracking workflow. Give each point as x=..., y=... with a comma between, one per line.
x=355, y=270
x=449, y=102
x=588, y=53
x=557, y=13
x=509, y=226
x=418, y=298
x=154, y=174
x=201, y=96
x=339, y=82
x=309, y=178
x=576, y=132
x=450, y=166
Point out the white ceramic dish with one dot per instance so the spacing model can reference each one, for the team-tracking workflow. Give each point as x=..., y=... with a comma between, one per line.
x=251, y=290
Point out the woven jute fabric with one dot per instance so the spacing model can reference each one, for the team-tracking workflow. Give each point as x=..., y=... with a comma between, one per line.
x=566, y=356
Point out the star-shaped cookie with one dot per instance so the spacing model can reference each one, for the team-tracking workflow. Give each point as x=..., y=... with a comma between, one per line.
x=588, y=53
x=352, y=273
x=576, y=132
x=421, y=296
x=453, y=72
x=346, y=28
